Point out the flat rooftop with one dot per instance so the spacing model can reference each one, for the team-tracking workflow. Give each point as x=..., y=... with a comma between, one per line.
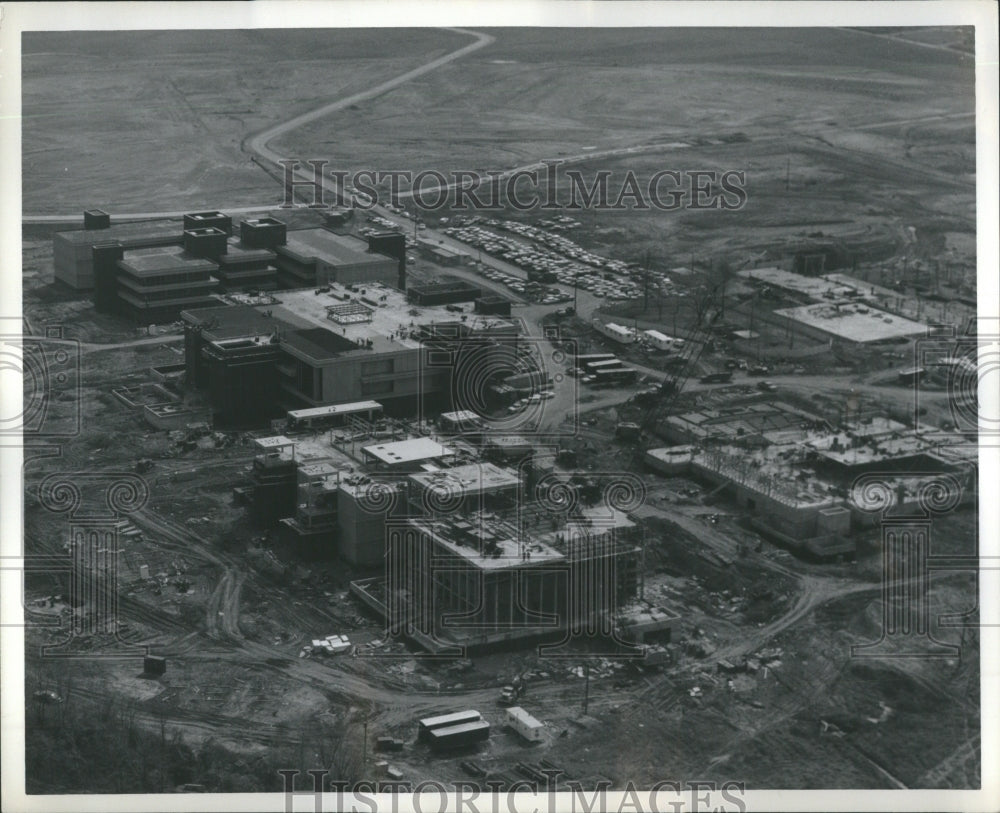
x=150, y=261
x=238, y=251
x=318, y=343
x=232, y=321
x=818, y=288
x=761, y=418
x=474, y=478
x=307, y=449
x=471, y=539
x=510, y=442
x=124, y=232
x=392, y=318
x=412, y=450
x=854, y=323
x=330, y=248
x=461, y=415
x=335, y=409
x=876, y=449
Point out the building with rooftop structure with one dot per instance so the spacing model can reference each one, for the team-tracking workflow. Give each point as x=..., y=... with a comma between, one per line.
x=311, y=257
x=341, y=346
x=486, y=580
x=243, y=267
x=838, y=307
x=474, y=487
x=72, y=251
x=152, y=285
x=849, y=322
x=445, y=292
x=404, y=455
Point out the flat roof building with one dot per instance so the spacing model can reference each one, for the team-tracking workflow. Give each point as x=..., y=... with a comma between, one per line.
x=341, y=345
x=312, y=257
x=850, y=322
x=405, y=454
x=152, y=285
x=72, y=251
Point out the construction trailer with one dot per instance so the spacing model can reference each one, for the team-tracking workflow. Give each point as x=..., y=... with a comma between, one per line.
x=429, y=724
x=616, y=375
x=325, y=417
x=525, y=725
x=458, y=736
x=585, y=359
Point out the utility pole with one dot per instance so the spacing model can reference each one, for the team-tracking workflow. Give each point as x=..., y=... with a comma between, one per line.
x=788, y=166
x=586, y=686
x=364, y=750
x=645, y=285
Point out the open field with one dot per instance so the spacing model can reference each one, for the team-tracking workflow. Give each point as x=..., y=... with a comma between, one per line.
x=148, y=121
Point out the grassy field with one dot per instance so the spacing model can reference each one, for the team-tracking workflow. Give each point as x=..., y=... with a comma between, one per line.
x=150, y=121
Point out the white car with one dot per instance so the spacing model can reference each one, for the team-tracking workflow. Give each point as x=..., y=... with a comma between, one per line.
x=548, y=394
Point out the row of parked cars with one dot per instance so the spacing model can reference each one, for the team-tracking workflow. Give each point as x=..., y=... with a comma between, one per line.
x=534, y=398
x=580, y=268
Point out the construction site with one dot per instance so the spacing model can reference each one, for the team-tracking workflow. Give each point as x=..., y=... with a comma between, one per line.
x=419, y=497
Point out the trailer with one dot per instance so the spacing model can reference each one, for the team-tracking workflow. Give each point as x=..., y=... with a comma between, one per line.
x=614, y=332
x=587, y=358
x=716, y=378
x=525, y=725
x=603, y=364
x=661, y=341
x=459, y=736
x=429, y=724
x=618, y=375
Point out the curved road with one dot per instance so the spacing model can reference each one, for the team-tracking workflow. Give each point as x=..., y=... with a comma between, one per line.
x=259, y=143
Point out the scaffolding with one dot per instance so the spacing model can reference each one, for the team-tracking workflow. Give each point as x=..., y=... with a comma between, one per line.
x=353, y=313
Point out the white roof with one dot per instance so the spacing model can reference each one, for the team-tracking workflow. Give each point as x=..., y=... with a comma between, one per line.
x=461, y=415
x=523, y=717
x=474, y=478
x=274, y=442
x=334, y=409
x=407, y=451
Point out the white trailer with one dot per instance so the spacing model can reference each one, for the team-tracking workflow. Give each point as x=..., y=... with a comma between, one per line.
x=661, y=341
x=525, y=725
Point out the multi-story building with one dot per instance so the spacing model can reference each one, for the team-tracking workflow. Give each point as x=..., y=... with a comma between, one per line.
x=312, y=257
x=72, y=251
x=341, y=345
x=151, y=285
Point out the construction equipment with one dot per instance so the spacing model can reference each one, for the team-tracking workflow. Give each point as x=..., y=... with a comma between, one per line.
x=510, y=694
x=672, y=385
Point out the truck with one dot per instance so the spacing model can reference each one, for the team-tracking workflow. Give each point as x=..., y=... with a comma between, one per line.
x=511, y=693
x=716, y=378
